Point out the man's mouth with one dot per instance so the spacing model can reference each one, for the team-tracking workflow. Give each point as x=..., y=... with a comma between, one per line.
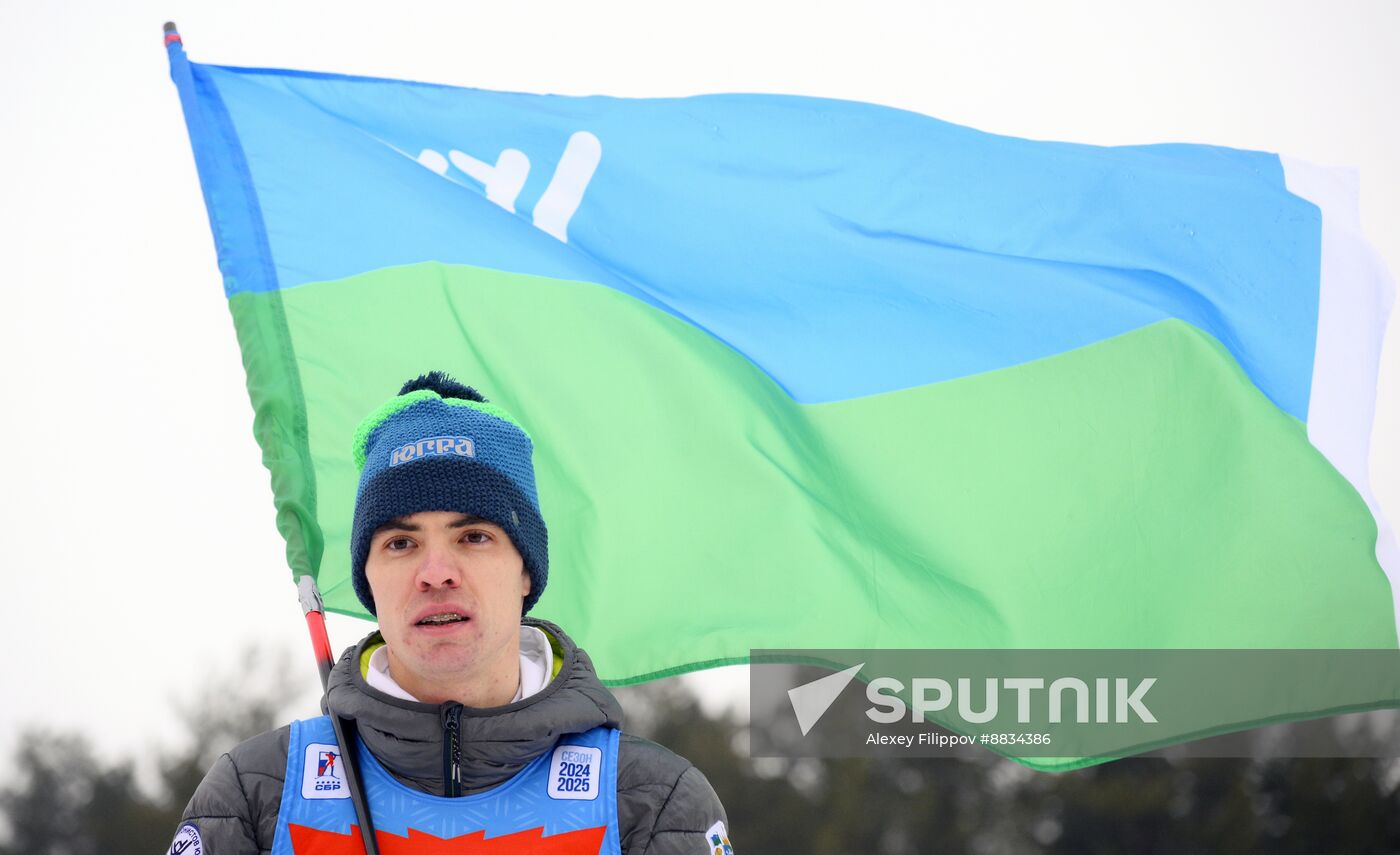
x=443, y=619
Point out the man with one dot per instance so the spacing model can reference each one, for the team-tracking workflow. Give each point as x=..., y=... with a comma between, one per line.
x=477, y=725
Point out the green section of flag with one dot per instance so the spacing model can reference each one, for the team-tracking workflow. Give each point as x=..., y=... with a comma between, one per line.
x=1139, y=492
x=279, y=424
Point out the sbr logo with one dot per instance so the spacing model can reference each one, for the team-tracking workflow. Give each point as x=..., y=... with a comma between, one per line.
x=321, y=778
x=327, y=779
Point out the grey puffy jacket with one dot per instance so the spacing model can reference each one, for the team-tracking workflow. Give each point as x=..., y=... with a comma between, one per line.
x=664, y=804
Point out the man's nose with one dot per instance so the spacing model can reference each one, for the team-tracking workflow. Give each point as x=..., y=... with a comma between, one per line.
x=438, y=570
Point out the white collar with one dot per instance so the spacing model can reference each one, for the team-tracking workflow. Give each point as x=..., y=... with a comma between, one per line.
x=536, y=667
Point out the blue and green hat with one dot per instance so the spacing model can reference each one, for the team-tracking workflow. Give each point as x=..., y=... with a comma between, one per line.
x=440, y=446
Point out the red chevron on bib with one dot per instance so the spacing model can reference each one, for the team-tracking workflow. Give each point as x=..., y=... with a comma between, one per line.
x=586, y=841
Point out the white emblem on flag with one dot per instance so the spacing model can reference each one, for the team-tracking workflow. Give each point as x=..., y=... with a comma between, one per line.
x=504, y=179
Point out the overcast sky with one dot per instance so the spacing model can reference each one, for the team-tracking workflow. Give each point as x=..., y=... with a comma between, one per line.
x=139, y=545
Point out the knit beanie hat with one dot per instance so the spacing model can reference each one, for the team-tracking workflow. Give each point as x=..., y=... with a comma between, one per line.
x=441, y=446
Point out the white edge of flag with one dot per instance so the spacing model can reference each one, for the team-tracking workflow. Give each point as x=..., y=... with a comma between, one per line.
x=1354, y=300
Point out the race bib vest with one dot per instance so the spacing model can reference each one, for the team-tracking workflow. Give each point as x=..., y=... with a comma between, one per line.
x=563, y=803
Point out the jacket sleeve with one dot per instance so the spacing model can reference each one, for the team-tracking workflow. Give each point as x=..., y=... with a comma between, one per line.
x=665, y=805
x=690, y=820
x=234, y=809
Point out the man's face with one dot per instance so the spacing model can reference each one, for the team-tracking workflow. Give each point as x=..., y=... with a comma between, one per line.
x=448, y=590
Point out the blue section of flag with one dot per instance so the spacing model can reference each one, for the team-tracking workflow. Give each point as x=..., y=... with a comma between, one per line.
x=846, y=249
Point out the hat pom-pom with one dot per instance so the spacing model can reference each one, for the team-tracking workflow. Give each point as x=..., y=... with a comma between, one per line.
x=443, y=385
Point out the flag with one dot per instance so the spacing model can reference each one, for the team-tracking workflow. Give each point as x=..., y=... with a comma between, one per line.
x=812, y=373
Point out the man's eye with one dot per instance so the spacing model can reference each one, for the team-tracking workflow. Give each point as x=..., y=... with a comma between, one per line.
x=397, y=543
x=476, y=537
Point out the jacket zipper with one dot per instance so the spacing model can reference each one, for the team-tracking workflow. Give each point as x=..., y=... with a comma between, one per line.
x=451, y=749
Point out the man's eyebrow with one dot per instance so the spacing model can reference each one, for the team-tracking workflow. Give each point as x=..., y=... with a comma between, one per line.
x=402, y=524
x=465, y=520
x=397, y=524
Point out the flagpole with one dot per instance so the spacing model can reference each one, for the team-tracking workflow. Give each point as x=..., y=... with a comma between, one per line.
x=308, y=593
x=314, y=610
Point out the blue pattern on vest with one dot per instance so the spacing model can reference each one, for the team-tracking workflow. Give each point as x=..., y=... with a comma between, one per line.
x=570, y=788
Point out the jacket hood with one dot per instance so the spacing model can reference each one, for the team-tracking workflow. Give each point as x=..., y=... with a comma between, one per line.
x=494, y=743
